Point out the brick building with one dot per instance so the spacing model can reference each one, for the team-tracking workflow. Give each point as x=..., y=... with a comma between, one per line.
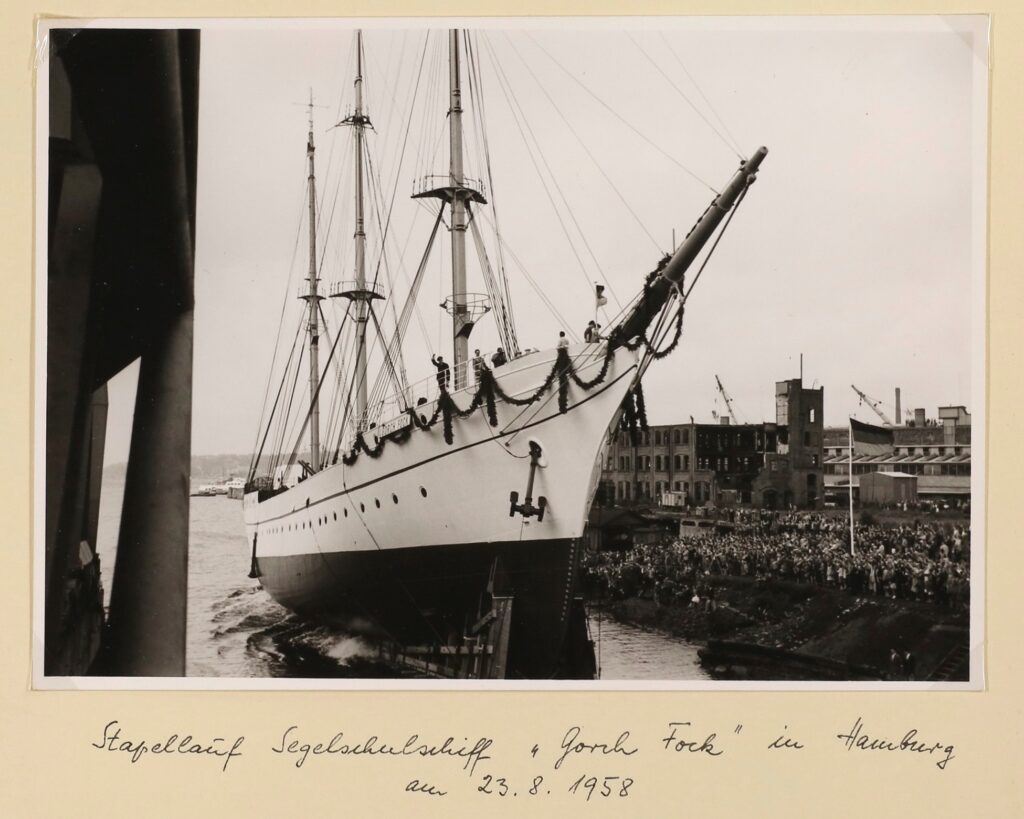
x=770, y=464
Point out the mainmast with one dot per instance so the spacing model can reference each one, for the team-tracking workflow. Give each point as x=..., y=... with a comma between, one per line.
x=357, y=291
x=312, y=299
x=359, y=122
x=461, y=325
x=458, y=193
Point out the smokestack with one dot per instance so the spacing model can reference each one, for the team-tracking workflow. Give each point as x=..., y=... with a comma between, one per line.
x=899, y=415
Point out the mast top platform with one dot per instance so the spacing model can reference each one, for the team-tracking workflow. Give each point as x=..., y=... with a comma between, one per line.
x=357, y=291
x=428, y=188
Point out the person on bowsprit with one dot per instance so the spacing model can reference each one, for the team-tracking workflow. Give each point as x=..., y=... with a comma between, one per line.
x=592, y=333
x=444, y=373
x=499, y=358
x=479, y=365
x=563, y=342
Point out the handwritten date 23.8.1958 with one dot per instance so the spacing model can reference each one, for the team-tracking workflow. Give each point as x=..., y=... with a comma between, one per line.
x=588, y=786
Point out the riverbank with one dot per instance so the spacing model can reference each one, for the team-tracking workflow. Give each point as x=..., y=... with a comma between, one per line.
x=781, y=630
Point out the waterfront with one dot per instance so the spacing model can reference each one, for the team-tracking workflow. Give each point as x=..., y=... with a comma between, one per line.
x=236, y=630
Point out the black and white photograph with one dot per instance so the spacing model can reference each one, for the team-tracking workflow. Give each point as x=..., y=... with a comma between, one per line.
x=616, y=353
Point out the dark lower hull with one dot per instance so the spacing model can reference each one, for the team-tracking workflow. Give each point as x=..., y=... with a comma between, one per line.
x=433, y=595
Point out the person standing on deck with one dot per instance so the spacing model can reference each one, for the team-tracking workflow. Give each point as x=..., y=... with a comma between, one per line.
x=479, y=365
x=563, y=342
x=444, y=373
x=499, y=358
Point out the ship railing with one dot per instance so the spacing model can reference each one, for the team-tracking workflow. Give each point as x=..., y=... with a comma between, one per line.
x=350, y=288
x=302, y=292
x=431, y=182
x=422, y=395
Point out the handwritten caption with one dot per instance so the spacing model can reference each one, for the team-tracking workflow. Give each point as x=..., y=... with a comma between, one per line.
x=610, y=765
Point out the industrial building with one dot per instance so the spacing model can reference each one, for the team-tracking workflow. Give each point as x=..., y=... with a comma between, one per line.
x=936, y=452
x=773, y=464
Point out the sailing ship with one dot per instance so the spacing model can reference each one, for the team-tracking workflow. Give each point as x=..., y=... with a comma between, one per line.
x=450, y=518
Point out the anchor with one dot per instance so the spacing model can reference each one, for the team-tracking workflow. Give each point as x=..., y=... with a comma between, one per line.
x=527, y=509
x=254, y=568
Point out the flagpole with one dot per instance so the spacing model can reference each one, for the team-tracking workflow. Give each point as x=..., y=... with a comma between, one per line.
x=850, y=484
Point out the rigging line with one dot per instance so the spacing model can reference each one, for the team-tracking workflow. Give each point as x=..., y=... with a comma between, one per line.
x=346, y=413
x=419, y=109
x=592, y=158
x=717, y=116
x=282, y=433
x=721, y=233
x=280, y=322
x=537, y=289
x=552, y=394
x=686, y=99
x=390, y=85
x=503, y=83
x=401, y=158
x=494, y=205
x=339, y=386
x=400, y=386
x=512, y=341
x=275, y=441
x=315, y=398
x=431, y=102
x=389, y=353
x=474, y=110
x=288, y=422
x=622, y=198
x=339, y=383
x=333, y=411
x=506, y=332
x=327, y=332
x=411, y=299
x=254, y=462
x=416, y=310
x=341, y=180
x=622, y=119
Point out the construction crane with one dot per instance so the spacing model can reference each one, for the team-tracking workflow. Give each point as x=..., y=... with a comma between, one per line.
x=876, y=406
x=728, y=400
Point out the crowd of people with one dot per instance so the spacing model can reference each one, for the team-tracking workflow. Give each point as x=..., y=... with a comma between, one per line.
x=923, y=561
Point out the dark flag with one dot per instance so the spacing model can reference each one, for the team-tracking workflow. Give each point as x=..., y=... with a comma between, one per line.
x=867, y=439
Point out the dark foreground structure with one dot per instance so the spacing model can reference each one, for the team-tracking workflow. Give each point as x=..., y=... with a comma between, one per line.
x=121, y=236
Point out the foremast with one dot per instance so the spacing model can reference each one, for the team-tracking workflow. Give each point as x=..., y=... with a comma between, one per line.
x=312, y=299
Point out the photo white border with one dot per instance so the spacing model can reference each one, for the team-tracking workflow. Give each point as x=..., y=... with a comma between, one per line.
x=976, y=25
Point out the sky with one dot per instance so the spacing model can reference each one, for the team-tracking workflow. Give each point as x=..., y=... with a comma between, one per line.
x=857, y=246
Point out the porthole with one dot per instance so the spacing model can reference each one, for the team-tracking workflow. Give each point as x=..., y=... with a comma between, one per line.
x=377, y=501
x=345, y=511
x=423, y=491
x=362, y=507
x=394, y=498
x=335, y=515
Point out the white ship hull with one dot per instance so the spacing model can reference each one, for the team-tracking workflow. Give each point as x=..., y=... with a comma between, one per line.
x=404, y=544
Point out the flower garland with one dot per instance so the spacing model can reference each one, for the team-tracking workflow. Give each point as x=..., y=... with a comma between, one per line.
x=488, y=391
